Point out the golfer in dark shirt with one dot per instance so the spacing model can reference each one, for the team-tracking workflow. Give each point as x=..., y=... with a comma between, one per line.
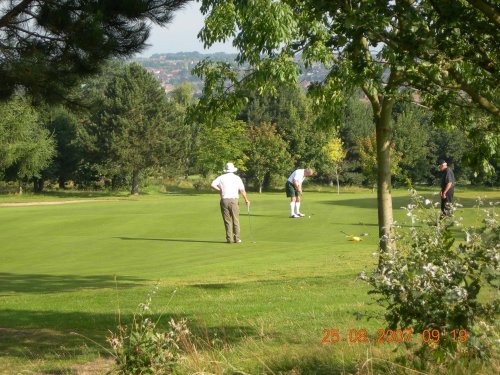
x=447, y=187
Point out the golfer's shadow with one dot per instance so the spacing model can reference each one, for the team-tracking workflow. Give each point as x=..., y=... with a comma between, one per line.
x=243, y=214
x=165, y=239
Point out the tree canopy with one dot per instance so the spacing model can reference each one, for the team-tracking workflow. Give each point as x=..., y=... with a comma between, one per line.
x=45, y=46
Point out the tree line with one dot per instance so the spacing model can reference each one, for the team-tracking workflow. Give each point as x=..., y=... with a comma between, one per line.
x=125, y=129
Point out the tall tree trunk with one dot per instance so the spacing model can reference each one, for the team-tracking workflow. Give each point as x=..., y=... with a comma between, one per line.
x=135, y=183
x=260, y=183
x=116, y=182
x=383, y=124
x=266, y=184
x=382, y=111
x=38, y=185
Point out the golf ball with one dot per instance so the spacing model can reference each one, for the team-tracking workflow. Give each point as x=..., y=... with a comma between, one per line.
x=309, y=216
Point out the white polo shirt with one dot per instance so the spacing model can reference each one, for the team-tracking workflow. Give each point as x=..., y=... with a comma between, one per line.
x=230, y=185
x=297, y=175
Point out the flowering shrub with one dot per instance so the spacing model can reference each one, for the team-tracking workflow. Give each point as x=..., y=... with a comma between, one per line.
x=142, y=349
x=428, y=282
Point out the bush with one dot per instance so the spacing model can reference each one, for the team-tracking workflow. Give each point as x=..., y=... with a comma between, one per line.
x=142, y=348
x=202, y=184
x=352, y=179
x=430, y=283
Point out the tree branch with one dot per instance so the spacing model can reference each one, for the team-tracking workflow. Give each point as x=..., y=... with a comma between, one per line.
x=36, y=35
x=420, y=105
x=478, y=98
x=14, y=12
x=489, y=11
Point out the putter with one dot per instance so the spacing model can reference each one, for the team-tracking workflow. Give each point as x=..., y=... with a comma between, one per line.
x=250, y=224
x=302, y=201
x=311, y=212
x=364, y=234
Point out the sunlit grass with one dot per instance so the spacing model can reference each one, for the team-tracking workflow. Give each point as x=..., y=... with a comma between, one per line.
x=254, y=307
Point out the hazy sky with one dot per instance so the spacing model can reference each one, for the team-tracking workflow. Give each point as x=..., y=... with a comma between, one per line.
x=180, y=35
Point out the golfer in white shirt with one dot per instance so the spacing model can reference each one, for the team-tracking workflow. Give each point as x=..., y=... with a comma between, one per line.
x=229, y=186
x=293, y=189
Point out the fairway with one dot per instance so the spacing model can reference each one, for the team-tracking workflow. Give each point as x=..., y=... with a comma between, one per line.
x=253, y=302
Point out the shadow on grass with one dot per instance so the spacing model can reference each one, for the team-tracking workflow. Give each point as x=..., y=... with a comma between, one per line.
x=40, y=283
x=189, y=191
x=311, y=366
x=397, y=202
x=56, y=334
x=358, y=224
x=165, y=239
x=213, y=286
x=323, y=364
x=295, y=281
x=53, y=332
x=370, y=203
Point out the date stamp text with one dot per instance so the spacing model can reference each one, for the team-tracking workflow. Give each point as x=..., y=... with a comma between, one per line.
x=332, y=336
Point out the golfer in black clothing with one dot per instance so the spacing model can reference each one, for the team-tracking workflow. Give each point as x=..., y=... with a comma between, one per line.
x=447, y=187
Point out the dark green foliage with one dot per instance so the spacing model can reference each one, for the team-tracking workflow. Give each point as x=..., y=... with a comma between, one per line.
x=134, y=128
x=26, y=147
x=64, y=127
x=267, y=153
x=220, y=142
x=186, y=134
x=451, y=146
x=357, y=122
x=413, y=138
x=292, y=114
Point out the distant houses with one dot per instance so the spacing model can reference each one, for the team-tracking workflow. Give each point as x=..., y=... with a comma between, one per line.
x=172, y=69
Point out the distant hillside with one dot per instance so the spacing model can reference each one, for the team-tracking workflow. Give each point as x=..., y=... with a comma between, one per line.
x=174, y=68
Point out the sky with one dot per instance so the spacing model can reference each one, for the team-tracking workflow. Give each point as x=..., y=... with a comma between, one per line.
x=181, y=35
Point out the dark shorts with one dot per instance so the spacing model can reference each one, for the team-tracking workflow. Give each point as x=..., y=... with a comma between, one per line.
x=290, y=190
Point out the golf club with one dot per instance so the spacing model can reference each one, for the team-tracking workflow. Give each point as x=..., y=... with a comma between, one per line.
x=250, y=224
x=364, y=234
x=302, y=201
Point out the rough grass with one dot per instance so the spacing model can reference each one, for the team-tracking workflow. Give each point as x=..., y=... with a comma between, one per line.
x=253, y=308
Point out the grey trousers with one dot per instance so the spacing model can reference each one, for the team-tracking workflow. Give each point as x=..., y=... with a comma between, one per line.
x=445, y=203
x=230, y=215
